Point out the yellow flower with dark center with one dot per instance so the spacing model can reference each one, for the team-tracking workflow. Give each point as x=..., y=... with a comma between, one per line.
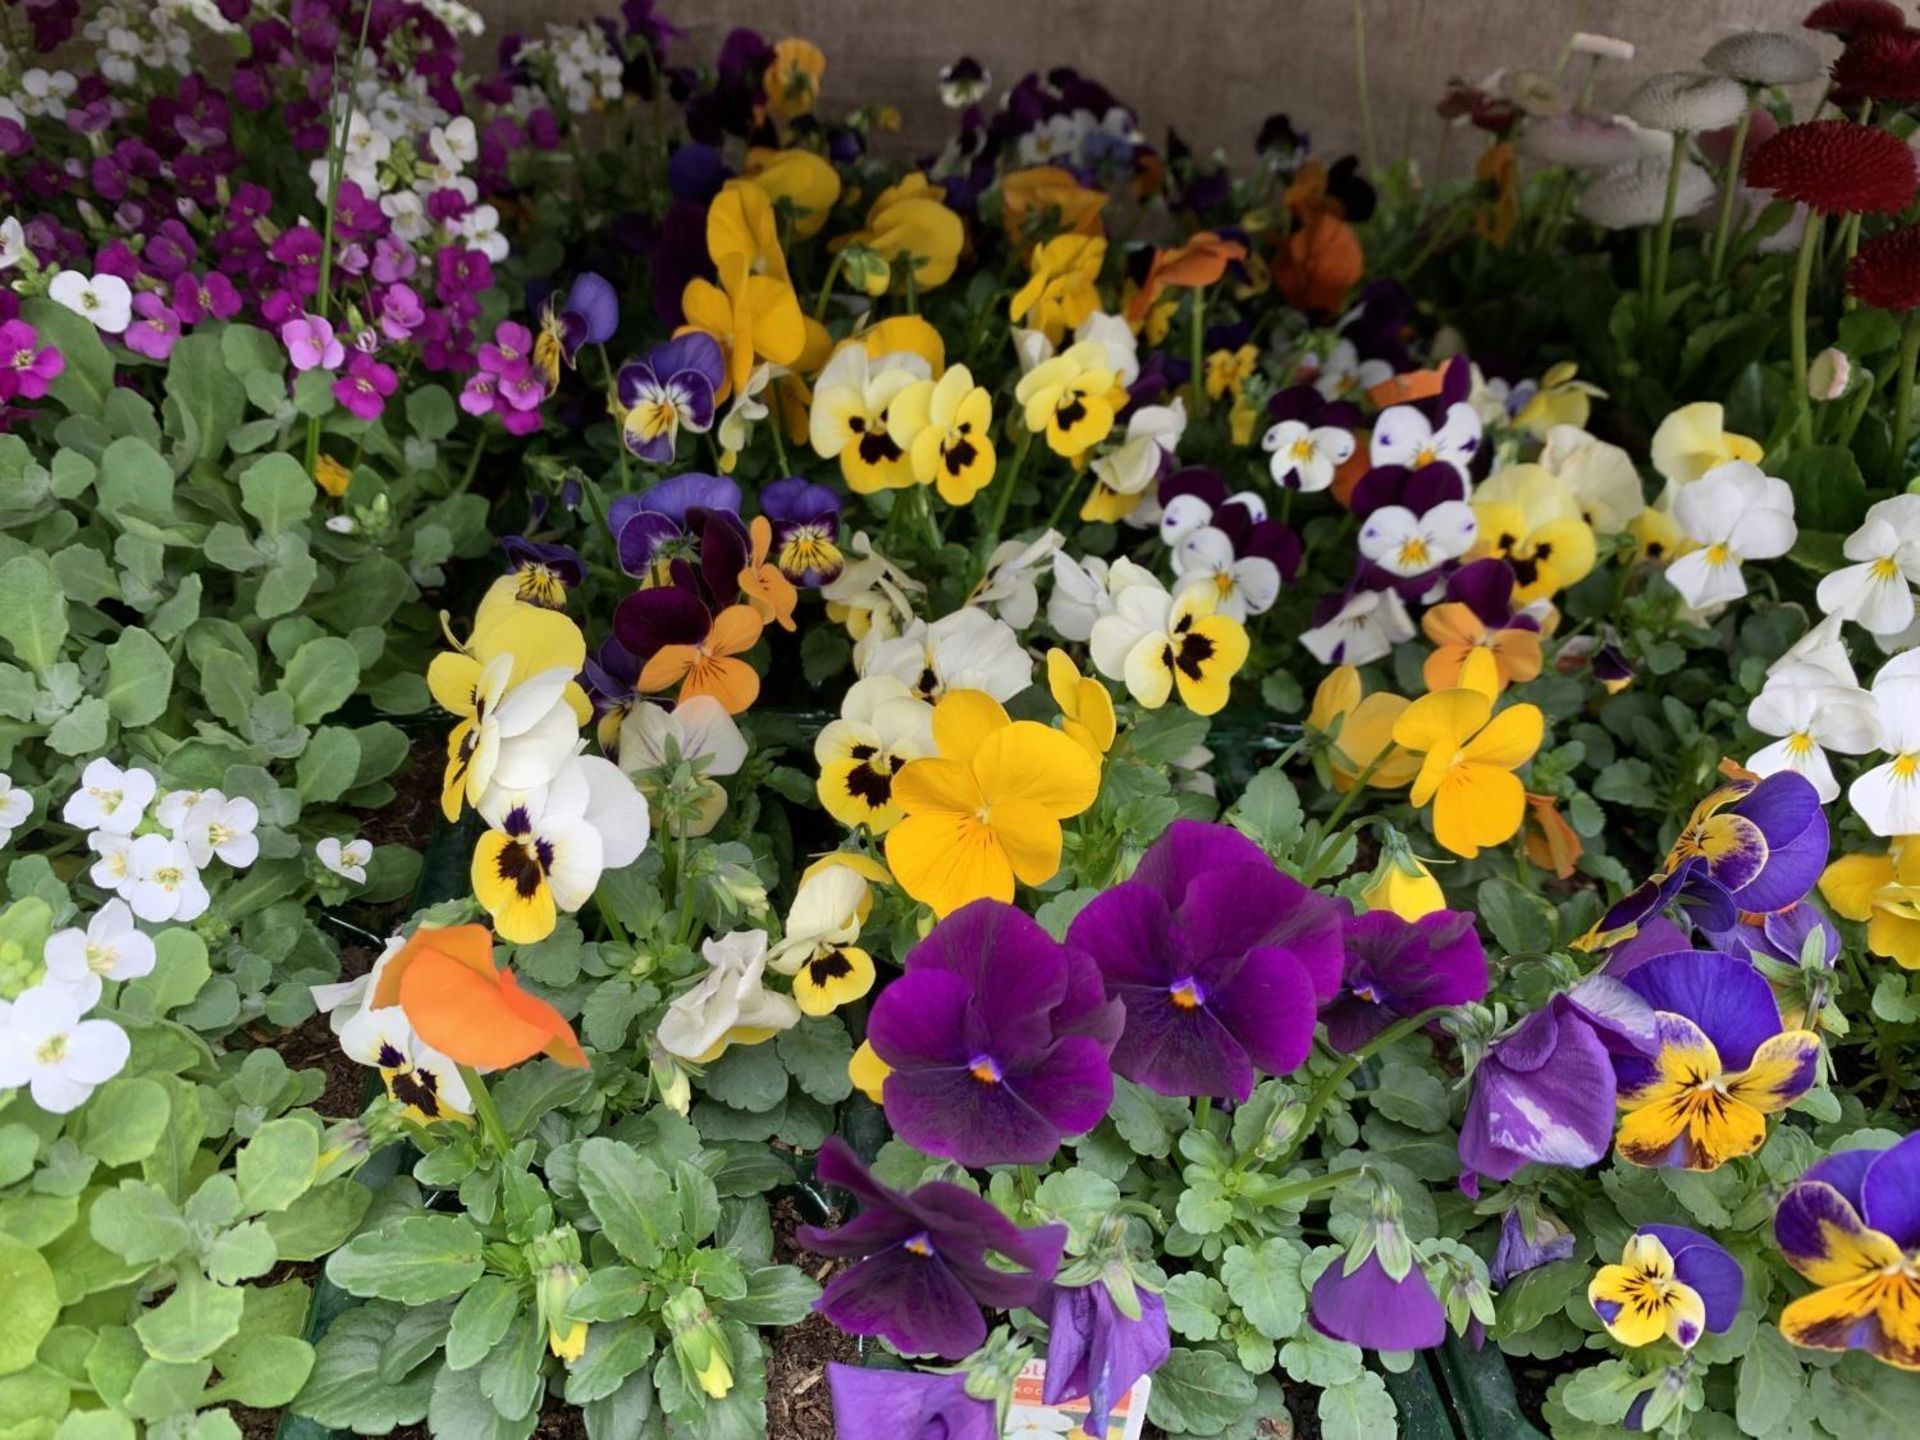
x=1693, y=1113
x=1062, y=288
x=1072, y=398
x=793, y=78
x=882, y=726
x=1641, y=1300
x=1160, y=645
x=850, y=417
x=946, y=429
x=1531, y=518
x=1884, y=891
x=818, y=950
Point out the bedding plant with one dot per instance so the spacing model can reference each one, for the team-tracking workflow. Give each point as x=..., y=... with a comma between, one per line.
x=1257, y=777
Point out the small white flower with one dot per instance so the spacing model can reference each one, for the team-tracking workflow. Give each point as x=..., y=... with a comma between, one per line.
x=1008, y=588
x=1763, y=57
x=113, y=869
x=163, y=883
x=1306, y=456
x=1811, y=715
x=1734, y=513
x=1404, y=436
x=348, y=860
x=1364, y=629
x=1685, y=100
x=342, y=524
x=15, y=806
x=109, y=798
x=174, y=805
x=1343, y=374
x=46, y=1045
x=13, y=243
x=1823, y=647
x=1630, y=196
x=1205, y=560
x=1153, y=435
x=223, y=827
x=967, y=650
x=112, y=947
x=1877, y=591
x=697, y=1026
x=1184, y=514
x=104, y=299
x=1406, y=544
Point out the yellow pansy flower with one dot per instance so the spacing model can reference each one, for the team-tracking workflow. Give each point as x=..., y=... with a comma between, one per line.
x=1229, y=370
x=1468, y=756
x=1062, y=288
x=882, y=726
x=818, y=950
x=1641, y=1300
x=808, y=184
x=946, y=428
x=793, y=78
x=910, y=225
x=987, y=811
x=754, y=317
x=1884, y=891
x=1404, y=885
x=1531, y=518
x=331, y=476
x=1071, y=399
x=850, y=417
x=741, y=225
x=1086, y=706
x=1562, y=399
x=1159, y=644
x=1359, y=728
x=1694, y=439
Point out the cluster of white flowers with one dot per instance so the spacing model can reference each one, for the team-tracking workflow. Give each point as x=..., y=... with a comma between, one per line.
x=33, y=92
x=127, y=37
x=583, y=66
x=47, y=1043
x=1080, y=137
x=156, y=869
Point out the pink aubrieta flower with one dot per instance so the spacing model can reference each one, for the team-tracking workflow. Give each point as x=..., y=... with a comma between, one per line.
x=510, y=351
x=26, y=366
x=312, y=345
x=365, y=386
x=155, y=329
x=401, y=312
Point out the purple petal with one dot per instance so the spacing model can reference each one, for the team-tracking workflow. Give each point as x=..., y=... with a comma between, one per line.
x=1095, y=1351
x=594, y=301
x=920, y=1021
x=1486, y=588
x=1811, y=1215
x=696, y=353
x=889, y=1404
x=641, y=537
x=1845, y=1171
x=1890, y=1193
x=1268, y=1004
x=917, y=1303
x=798, y=501
x=1786, y=807
x=1176, y=1050
x=1371, y=1309
x=693, y=491
x=648, y=620
x=1554, y=1105
x=1189, y=849
x=692, y=393
x=1128, y=932
x=1701, y=1263
x=1725, y=997
x=723, y=554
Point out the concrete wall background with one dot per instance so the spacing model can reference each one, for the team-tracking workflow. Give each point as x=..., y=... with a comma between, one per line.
x=1216, y=67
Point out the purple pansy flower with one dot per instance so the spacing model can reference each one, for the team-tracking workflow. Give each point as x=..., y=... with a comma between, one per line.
x=1194, y=502
x=1220, y=960
x=543, y=574
x=646, y=524
x=671, y=388
x=997, y=1037
x=1526, y=1243
x=1370, y=1308
x=1545, y=1092
x=1699, y=1263
x=589, y=315
x=920, y=1275
x=907, y=1405
x=1396, y=968
x=1095, y=1351
x=806, y=530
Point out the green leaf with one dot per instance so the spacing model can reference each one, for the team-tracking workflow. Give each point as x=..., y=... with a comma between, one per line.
x=32, y=1304
x=193, y=1322
x=82, y=730
x=1521, y=922
x=816, y=1052
x=275, y=1168
x=33, y=612
x=95, y=1425
x=1538, y=1293
x=1146, y=1121
x=320, y=1221
x=345, y=1391
x=1311, y=1358
x=1829, y=492
x=207, y=394
x=180, y=968
x=86, y=378
x=1198, y=1392
x=776, y=1295
x=1196, y=1304
x=320, y=677
x=326, y=768
x=1359, y=1410
x=134, y=477
x=481, y=1318
x=748, y=1077
x=277, y=492
x=243, y=1253
x=459, y=1407
x=1264, y=1282
x=614, y=1351
x=1269, y=811
x=139, y=1224
x=1412, y=1096
x=124, y=1120
x=630, y=1196
x=1771, y=1382
x=510, y=1375
x=262, y=1371
x=416, y=1260
x=139, y=678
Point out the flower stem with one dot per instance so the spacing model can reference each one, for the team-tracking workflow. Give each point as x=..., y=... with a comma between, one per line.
x=1059, y=511
x=473, y=464
x=1324, y=1091
x=1729, y=186
x=1797, y=322
x=1663, y=238
x=997, y=517
x=613, y=402
x=486, y=1112
x=1197, y=346
x=1202, y=1112
x=826, y=286
x=1903, y=395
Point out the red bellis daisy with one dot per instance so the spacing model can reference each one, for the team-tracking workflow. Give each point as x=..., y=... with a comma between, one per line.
x=1886, y=272
x=1847, y=18
x=1836, y=167
x=1881, y=65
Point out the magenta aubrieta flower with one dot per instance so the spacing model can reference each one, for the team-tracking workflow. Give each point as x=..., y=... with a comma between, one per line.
x=364, y=388
x=920, y=1275
x=312, y=345
x=907, y=1405
x=997, y=1037
x=1396, y=968
x=26, y=366
x=155, y=328
x=1220, y=960
x=1095, y=1351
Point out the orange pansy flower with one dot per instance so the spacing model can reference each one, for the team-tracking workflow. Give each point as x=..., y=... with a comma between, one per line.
x=1462, y=639
x=764, y=586
x=463, y=1005
x=1319, y=263
x=711, y=666
x=1195, y=265
x=1552, y=843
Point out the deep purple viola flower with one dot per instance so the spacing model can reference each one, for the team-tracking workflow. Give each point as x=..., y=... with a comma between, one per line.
x=670, y=389
x=1752, y=845
x=679, y=254
x=1371, y=1309
x=647, y=524
x=921, y=1277
x=1095, y=1351
x=806, y=530
x=1220, y=960
x=1416, y=490
x=696, y=172
x=1545, y=1093
x=907, y=1405
x=590, y=314
x=543, y=574
x=1486, y=588
x=997, y=1037
x=1396, y=968
x=648, y=620
x=1527, y=1246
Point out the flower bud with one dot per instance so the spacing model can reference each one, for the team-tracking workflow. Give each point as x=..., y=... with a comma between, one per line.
x=1403, y=884
x=671, y=1082
x=700, y=1346
x=1829, y=374
x=555, y=1261
x=866, y=270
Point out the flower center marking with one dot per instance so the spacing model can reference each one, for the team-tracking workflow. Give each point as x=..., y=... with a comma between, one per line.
x=1187, y=994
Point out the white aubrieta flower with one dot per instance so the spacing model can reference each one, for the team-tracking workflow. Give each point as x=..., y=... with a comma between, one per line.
x=48, y=1046
x=967, y=650
x=1877, y=590
x=15, y=806
x=109, y=798
x=1304, y=456
x=1364, y=629
x=13, y=243
x=1733, y=513
x=112, y=947
x=1404, y=436
x=1887, y=797
x=103, y=299
x=222, y=827
x=114, y=868
x=163, y=883
x=347, y=859
x=1811, y=715
x=731, y=999
x=174, y=805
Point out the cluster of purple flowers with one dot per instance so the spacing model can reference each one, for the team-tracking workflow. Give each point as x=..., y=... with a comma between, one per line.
x=26, y=366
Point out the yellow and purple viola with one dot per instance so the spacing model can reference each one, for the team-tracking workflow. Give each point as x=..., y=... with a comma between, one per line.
x=1723, y=1062
x=1671, y=1283
x=1851, y=1225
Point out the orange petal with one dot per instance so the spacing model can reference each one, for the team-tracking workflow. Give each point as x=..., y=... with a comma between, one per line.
x=468, y=1017
x=469, y=945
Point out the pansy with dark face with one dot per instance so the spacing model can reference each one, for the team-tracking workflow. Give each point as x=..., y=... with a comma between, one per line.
x=588, y=315
x=669, y=390
x=806, y=530
x=543, y=574
x=652, y=526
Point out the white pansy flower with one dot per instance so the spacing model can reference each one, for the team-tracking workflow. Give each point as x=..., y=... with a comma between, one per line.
x=519, y=737
x=1343, y=374
x=163, y=883
x=112, y=947
x=13, y=243
x=1242, y=586
x=1811, y=715
x=1404, y=436
x=48, y=1046
x=1601, y=477
x=1877, y=590
x=347, y=859
x=1405, y=544
x=1009, y=587
x=109, y=798
x=1153, y=435
x=730, y=1003
x=1733, y=513
x=967, y=650
x=1364, y=629
x=1306, y=456
x=342, y=1001
x=1821, y=646
x=1887, y=797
